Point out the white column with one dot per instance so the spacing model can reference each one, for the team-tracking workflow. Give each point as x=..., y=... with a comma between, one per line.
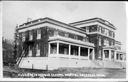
x=103, y=55
x=69, y=50
x=110, y=54
x=79, y=51
x=87, y=29
x=88, y=53
x=119, y=56
x=57, y=48
x=49, y=48
x=93, y=55
x=115, y=56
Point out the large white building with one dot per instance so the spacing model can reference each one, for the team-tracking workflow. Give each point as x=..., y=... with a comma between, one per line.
x=50, y=44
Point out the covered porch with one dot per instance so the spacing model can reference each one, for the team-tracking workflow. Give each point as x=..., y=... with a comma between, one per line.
x=112, y=54
x=70, y=50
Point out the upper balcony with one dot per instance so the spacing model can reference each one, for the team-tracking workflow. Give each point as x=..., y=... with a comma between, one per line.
x=83, y=42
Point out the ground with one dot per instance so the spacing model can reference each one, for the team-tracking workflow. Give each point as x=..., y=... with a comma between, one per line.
x=13, y=72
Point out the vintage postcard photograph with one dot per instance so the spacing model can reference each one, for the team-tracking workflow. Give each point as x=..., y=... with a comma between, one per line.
x=64, y=40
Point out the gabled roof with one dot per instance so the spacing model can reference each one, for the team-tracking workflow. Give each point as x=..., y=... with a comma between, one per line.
x=100, y=20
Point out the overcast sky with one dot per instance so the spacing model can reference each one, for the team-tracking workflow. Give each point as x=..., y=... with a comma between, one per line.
x=17, y=12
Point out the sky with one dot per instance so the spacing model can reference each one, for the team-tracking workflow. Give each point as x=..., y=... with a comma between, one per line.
x=17, y=12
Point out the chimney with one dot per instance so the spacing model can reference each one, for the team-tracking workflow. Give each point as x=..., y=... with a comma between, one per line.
x=29, y=19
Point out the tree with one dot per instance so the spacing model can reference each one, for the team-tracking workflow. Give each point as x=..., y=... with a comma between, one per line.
x=8, y=52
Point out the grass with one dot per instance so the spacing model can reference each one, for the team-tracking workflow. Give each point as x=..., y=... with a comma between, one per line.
x=12, y=72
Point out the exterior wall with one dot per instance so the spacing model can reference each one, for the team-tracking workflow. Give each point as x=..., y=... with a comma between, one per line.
x=46, y=32
x=118, y=45
x=50, y=63
x=94, y=38
x=24, y=45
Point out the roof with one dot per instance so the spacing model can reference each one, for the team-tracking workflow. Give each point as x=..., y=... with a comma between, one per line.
x=49, y=20
x=105, y=22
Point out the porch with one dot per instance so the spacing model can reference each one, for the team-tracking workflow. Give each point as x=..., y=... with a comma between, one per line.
x=70, y=50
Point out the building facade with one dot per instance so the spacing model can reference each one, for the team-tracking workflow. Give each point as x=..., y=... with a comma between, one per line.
x=50, y=44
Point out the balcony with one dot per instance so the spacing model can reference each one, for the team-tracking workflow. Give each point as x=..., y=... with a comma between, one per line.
x=67, y=39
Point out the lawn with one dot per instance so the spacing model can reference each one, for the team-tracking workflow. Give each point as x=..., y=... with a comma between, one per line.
x=12, y=72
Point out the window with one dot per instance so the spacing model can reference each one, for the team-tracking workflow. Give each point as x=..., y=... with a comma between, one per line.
x=63, y=49
x=23, y=36
x=83, y=51
x=75, y=37
x=87, y=29
x=55, y=32
x=30, y=35
x=102, y=30
x=113, y=35
x=74, y=50
x=99, y=56
x=66, y=35
x=51, y=32
x=112, y=43
x=106, y=42
x=93, y=28
x=121, y=56
x=106, y=32
x=38, y=49
x=85, y=39
x=110, y=33
x=117, y=56
x=99, y=29
x=53, y=48
x=99, y=41
x=71, y=35
x=61, y=33
x=84, y=28
x=106, y=53
x=38, y=34
x=30, y=51
x=80, y=38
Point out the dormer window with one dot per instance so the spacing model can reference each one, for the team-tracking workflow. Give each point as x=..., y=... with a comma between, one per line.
x=38, y=34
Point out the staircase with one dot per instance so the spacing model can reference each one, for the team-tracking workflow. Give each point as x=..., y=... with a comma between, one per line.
x=20, y=58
